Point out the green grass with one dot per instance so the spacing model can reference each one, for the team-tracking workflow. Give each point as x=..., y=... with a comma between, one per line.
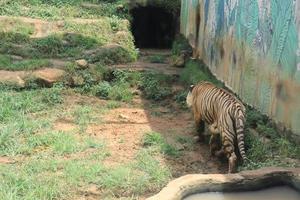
x=6, y=63
x=180, y=44
x=18, y=126
x=271, y=153
x=82, y=117
x=157, y=59
x=155, y=140
x=62, y=9
x=45, y=176
x=73, y=40
x=196, y=71
x=16, y=26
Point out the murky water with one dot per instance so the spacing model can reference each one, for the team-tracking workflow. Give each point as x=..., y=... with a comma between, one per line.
x=274, y=193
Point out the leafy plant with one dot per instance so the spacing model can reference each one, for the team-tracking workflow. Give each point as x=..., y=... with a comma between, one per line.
x=154, y=86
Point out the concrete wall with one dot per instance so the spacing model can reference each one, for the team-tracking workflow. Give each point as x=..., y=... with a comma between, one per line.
x=254, y=47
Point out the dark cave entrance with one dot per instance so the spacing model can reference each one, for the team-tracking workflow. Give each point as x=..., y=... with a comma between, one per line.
x=154, y=27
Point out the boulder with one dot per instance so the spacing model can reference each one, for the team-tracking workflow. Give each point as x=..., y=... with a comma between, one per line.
x=13, y=79
x=49, y=76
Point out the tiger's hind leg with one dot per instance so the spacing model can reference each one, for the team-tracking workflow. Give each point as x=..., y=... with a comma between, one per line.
x=228, y=147
x=200, y=127
x=214, y=144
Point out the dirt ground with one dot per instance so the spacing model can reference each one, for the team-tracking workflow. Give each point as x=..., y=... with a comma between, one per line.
x=123, y=129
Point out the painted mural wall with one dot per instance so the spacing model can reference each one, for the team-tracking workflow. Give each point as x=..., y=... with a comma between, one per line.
x=254, y=47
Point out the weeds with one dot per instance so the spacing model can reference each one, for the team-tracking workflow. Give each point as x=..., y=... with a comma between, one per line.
x=155, y=86
x=157, y=59
x=60, y=9
x=6, y=63
x=155, y=140
x=194, y=72
x=179, y=45
x=180, y=98
x=272, y=153
x=120, y=92
x=82, y=117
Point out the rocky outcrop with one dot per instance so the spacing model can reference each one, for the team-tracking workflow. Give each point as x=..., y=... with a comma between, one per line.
x=14, y=79
x=246, y=180
x=48, y=76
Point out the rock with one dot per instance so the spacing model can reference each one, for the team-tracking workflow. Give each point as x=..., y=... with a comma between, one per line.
x=121, y=116
x=137, y=92
x=60, y=24
x=178, y=61
x=13, y=79
x=82, y=64
x=49, y=76
x=6, y=160
x=246, y=180
x=16, y=58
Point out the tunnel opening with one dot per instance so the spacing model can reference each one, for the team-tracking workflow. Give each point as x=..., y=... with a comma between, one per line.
x=153, y=27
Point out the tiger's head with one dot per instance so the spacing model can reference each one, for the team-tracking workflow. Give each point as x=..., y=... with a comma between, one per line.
x=189, y=97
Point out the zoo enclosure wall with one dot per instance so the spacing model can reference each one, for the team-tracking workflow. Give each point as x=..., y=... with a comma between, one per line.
x=253, y=46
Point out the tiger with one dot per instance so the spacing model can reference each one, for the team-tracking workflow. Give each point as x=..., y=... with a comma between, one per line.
x=225, y=115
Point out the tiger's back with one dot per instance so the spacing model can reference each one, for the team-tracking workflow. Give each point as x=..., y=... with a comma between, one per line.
x=216, y=106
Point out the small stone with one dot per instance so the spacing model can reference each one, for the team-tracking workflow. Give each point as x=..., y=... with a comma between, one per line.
x=60, y=24
x=82, y=63
x=137, y=92
x=122, y=116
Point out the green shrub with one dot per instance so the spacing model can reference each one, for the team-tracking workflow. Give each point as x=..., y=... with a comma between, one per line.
x=109, y=55
x=53, y=96
x=153, y=139
x=157, y=59
x=16, y=26
x=10, y=37
x=49, y=46
x=196, y=71
x=180, y=98
x=102, y=90
x=155, y=86
x=180, y=44
x=254, y=118
x=120, y=92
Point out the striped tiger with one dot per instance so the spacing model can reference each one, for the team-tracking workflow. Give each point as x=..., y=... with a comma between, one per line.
x=224, y=114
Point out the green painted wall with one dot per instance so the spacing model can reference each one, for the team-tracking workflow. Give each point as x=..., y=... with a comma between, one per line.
x=253, y=46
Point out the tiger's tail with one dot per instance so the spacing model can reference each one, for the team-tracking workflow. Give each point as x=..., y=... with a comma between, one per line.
x=240, y=125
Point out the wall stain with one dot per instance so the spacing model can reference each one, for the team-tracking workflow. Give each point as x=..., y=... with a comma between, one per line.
x=254, y=47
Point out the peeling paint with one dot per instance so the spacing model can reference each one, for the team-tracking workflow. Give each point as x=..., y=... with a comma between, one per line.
x=253, y=46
